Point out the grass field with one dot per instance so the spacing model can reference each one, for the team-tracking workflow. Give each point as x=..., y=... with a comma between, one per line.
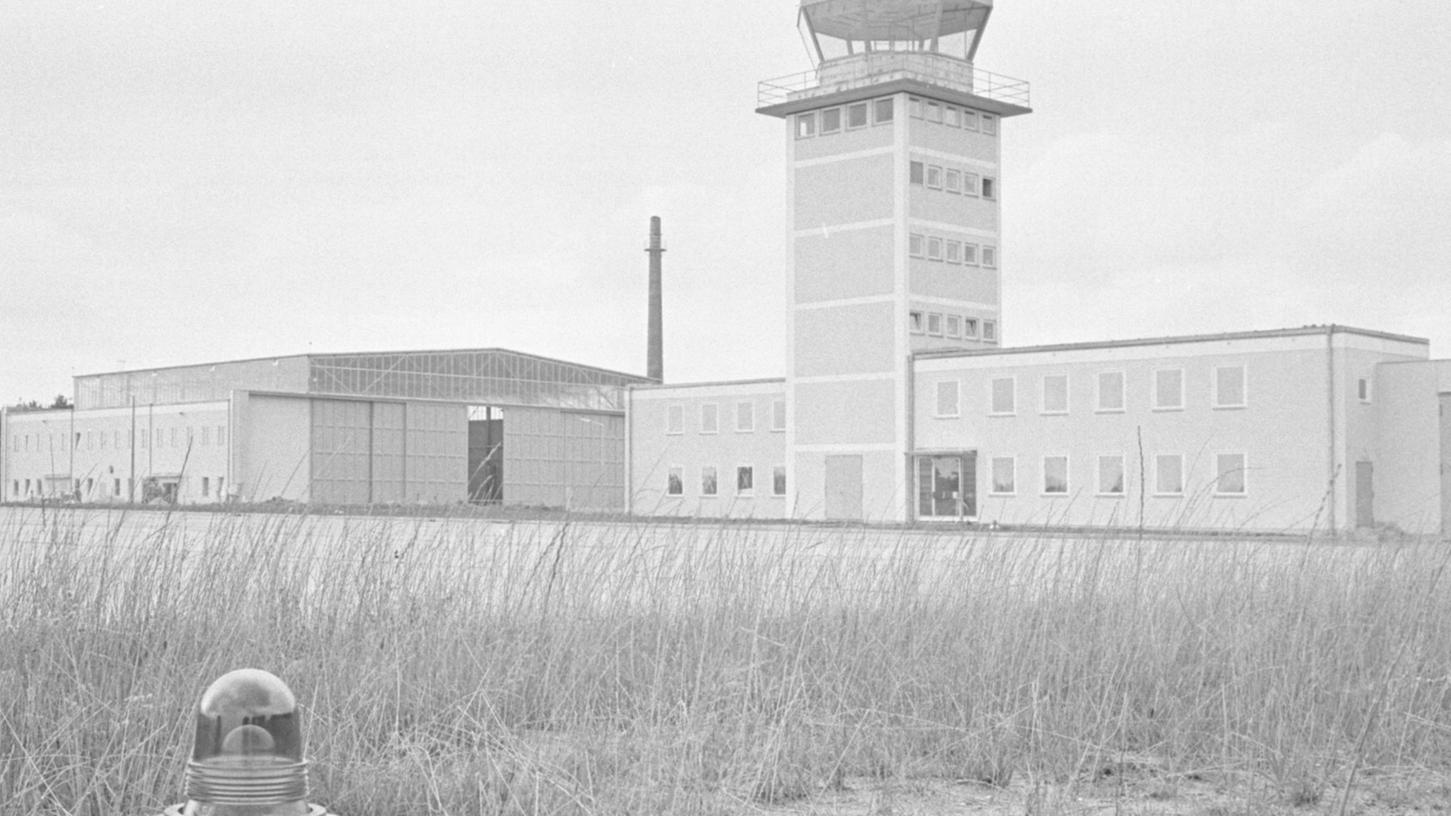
x=474, y=668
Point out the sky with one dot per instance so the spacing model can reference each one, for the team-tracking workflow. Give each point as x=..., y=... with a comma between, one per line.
x=188, y=182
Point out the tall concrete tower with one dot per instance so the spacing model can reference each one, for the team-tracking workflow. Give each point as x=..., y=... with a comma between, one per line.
x=892, y=146
x=655, y=340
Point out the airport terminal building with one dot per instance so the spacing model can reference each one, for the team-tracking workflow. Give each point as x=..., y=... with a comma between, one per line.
x=901, y=402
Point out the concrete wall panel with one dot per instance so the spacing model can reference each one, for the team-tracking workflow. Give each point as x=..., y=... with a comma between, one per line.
x=839, y=264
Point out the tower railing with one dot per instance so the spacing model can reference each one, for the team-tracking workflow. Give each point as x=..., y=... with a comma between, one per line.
x=864, y=70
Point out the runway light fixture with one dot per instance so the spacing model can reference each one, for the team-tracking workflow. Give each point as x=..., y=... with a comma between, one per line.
x=247, y=758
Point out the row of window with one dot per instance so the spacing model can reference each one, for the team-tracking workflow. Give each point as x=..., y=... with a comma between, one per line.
x=1110, y=477
x=176, y=437
x=1228, y=389
x=883, y=110
x=952, y=116
x=745, y=415
x=710, y=481
x=951, y=326
x=87, y=488
x=952, y=180
x=848, y=117
x=947, y=250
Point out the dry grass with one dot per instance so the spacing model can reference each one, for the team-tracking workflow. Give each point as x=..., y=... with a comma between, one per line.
x=470, y=668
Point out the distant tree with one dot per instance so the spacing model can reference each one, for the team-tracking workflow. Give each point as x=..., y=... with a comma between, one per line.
x=60, y=401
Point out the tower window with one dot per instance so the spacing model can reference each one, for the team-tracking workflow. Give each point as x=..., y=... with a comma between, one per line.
x=952, y=326
x=989, y=124
x=954, y=252
x=990, y=257
x=805, y=125
x=830, y=120
x=934, y=248
x=953, y=116
x=856, y=115
x=952, y=181
x=989, y=187
x=934, y=324
x=969, y=184
x=969, y=254
x=914, y=322
x=914, y=105
x=990, y=331
x=969, y=120
x=969, y=328
x=934, y=111
x=882, y=109
x=918, y=172
x=914, y=245
x=934, y=177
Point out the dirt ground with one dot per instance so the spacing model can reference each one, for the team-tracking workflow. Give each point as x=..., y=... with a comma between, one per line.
x=1140, y=792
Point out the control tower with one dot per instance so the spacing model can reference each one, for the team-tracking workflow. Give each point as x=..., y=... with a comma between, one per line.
x=894, y=244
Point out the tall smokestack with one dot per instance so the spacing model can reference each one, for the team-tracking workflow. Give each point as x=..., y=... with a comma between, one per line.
x=655, y=352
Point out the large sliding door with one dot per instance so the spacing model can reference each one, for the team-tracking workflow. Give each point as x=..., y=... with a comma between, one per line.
x=947, y=486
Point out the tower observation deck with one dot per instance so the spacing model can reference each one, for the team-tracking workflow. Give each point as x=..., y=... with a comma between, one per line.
x=865, y=48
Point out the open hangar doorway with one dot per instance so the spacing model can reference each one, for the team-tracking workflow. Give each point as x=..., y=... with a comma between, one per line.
x=486, y=454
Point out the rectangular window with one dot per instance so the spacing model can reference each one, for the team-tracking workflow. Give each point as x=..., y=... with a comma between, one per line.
x=1362, y=389
x=969, y=119
x=989, y=187
x=952, y=116
x=914, y=322
x=100, y=435
x=778, y=415
x=116, y=487
x=917, y=245
x=969, y=254
x=745, y=480
x=1229, y=390
x=953, y=252
x=934, y=177
x=856, y=115
x=206, y=486
x=934, y=324
x=778, y=480
x=1005, y=475
x=947, y=402
x=1004, y=395
x=173, y=438
x=1169, y=474
x=917, y=172
x=1111, y=475
x=1169, y=389
x=831, y=120
x=745, y=416
x=221, y=440
x=709, y=418
x=969, y=328
x=934, y=111
x=914, y=106
x=708, y=485
x=952, y=326
x=990, y=256
x=883, y=109
x=990, y=331
x=1055, y=475
x=675, y=419
x=989, y=124
x=221, y=485
x=206, y=435
x=1229, y=474
x=1110, y=391
x=805, y=125
x=969, y=184
x=952, y=180
x=675, y=482
x=934, y=248
x=1055, y=394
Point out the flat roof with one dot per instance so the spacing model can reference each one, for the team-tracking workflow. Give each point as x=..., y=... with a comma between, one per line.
x=1327, y=329
x=706, y=384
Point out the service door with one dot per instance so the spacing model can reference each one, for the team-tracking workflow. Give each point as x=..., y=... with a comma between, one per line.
x=844, y=487
x=1364, y=494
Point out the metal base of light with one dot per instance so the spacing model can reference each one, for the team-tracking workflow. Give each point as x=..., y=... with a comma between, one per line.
x=312, y=810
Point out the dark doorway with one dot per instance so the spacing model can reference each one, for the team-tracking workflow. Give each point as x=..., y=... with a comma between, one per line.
x=947, y=486
x=486, y=455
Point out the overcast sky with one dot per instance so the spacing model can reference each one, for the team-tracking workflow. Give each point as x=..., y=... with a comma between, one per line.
x=188, y=182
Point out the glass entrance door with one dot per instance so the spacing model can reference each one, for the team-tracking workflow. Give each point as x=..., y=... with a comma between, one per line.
x=947, y=486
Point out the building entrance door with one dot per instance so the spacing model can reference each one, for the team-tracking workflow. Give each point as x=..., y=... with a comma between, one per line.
x=1364, y=494
x=947, y=486
x=844, y=487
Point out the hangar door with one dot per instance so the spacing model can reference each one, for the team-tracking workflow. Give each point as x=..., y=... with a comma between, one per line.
x=562, y=458
x=366, y=452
